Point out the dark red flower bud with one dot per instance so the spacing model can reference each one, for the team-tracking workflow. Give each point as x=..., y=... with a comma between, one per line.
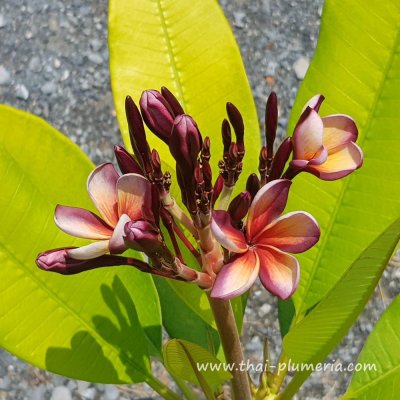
x=157, y=114
x=198, y=175
x=172, y=101
x=126, y=162
x=239, y=206
x=219, y=184
x=236, y=120
x=233, y=152
x=226, y=136
x=185, y=143
x=205, y=150
x=281, y=157
x=142, y=235
x=137, y=134
x=253, y=185
x=58, y=260
x=263, y=164
x=271, y=123
x=207, y=173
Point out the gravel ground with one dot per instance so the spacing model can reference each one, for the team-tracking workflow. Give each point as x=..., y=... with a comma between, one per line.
x=54, y=63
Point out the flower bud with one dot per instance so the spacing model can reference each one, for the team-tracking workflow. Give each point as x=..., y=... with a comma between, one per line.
x=126, y=162
x=253, y=185
x=172, y=101
x=142, y=235
x=218, y=186
x=271, y=123
x=157, y=114
x=59, y=261
x=226, y=136
x=239, y=206
x=137, y=134
x=281, y=157
x=236, y=120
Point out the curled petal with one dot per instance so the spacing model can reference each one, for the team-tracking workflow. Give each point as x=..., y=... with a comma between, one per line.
x=81, y=223
x=101, y=186
x=315, y=102
x=294, y=232
x=117, y=243
x=267, y=205
x=279, y=271
x=340, y=163
x=236, y=277
x=92, y=250
x=307, y=137
x=134, y=191
x=226, y=234
x=339, y=129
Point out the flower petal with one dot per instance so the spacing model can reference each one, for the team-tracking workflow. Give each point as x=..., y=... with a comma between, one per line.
x=81, y=223
x=236, y=277
x=315, y=102
x=342, y=162
x=92, y=250
x=134, y=191
x=339, y=129
x=294, y=232
x=279, y=271
x=307, y=137
x=268, y=204
x=226, y=234
x=101, y=186
x=117, y=243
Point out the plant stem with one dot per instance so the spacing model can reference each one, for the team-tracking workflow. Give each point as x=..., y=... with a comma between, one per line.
x=226, y=324
x=161, y=389
x=280, y=374
x=224, y=197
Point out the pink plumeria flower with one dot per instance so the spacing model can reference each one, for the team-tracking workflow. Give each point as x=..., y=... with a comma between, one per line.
x=118, y=200
x=325, y=146
x=261, y=248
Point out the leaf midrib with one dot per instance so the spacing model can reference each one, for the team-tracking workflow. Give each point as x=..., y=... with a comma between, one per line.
x=348, y=181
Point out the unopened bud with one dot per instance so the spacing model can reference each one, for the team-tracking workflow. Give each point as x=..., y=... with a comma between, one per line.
x=281, y=157
x=157, y=114
x=271, y=123
x=126, y=162
x=253, y=185
x=172, y=101
x=226, y=136
x=58, y=260
x=239, y=206
x=218, y=186
x=236, y=120
x=142, y=235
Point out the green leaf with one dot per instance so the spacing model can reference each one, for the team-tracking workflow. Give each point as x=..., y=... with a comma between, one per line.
x=191, y=50
x=183, y=359
x=96, y=326
x=381, y=352
x=312, y=339
x=357, y=67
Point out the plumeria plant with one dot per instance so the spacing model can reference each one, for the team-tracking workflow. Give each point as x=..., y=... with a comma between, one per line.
x=163, y=258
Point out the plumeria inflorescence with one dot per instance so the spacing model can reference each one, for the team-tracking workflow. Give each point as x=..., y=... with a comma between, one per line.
x=233, y=240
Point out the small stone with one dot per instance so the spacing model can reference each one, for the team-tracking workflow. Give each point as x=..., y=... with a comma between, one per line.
x=3, y=21
x=71, y=385
x=64, y=75
x=239, y=19
x=34, y=64
x=37, y=393
x=82, y=386
x=61, y=393
x=264, y=310
x=95, y=58
x=4, y=383
x=5, y=76
x=96, y=44
x=89, y=393
x=111, y=393
x=300, y=67
x=53, y=24
x=21, y=92
x=48, y=88
x=57, y=63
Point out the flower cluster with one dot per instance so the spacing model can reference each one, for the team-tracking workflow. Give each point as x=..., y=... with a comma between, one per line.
x=234, y=240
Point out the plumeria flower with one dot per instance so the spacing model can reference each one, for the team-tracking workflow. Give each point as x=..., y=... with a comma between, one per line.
x=325, y=146
x=261, y=249
x=118, y=200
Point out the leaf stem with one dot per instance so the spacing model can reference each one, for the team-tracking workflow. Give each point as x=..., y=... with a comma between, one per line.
x=226, y=324
x=161, y=389
x=224, y=197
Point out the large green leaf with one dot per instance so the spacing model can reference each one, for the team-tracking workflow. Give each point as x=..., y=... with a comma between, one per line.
x=357, y=67
x=380, y=357
x=189, y=48
x=312, y=339
x=95, y=326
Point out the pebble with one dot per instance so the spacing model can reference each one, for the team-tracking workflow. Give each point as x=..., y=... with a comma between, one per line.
x=3, y=21
x=21, y=92
x=89, y=393
x=239, y=19
x=61, y=393
x=111, y=392
x=35, y=64
x=37, y=393
x=48, y=88
x=5, y=76
x=264, y=310
x=300, y=67
x=95, y=58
